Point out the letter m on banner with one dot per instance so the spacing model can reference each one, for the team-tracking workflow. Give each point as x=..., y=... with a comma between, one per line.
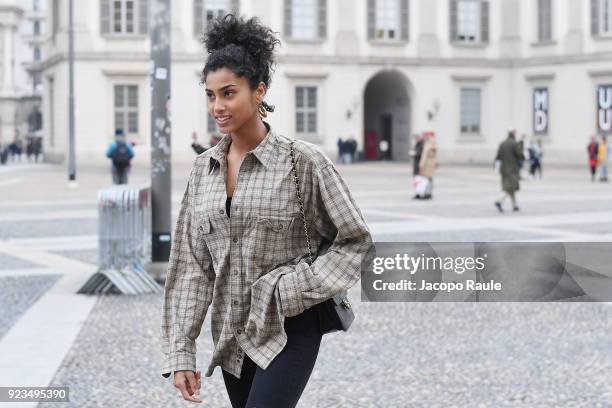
x=604, y=109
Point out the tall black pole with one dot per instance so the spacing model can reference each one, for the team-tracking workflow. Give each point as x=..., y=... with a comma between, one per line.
x=71, y=147
x=161, y=182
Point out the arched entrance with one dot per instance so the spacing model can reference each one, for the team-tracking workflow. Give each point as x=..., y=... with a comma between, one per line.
x=387, y=117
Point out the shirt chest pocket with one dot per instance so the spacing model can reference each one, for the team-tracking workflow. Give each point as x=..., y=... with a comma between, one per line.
x=272, y=241
x=212, y=235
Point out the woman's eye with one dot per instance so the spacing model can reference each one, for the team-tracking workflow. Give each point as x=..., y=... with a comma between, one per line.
x=228, y=93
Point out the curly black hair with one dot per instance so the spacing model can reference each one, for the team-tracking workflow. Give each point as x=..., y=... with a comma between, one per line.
x=244, y=46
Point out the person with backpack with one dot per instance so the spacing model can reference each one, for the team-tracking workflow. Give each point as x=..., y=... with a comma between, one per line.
x=121, y=153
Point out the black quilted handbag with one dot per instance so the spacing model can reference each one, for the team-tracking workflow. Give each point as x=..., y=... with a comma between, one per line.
x=336, y=313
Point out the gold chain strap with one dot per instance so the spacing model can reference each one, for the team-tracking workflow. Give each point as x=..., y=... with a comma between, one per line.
x=300, y=201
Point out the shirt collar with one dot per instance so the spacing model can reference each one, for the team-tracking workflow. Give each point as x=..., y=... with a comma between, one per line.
x=264, y=151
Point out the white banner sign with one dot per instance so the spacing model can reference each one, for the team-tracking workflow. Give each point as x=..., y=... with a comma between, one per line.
x=540, y=110
x=604, y=108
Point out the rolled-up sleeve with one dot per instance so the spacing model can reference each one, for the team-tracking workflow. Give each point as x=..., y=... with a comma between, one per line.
x=188, y=290
x=337, y=219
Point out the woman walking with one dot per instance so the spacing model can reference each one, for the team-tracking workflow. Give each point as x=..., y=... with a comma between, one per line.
x=241, y=244
x=593, y=151
x=428, y=163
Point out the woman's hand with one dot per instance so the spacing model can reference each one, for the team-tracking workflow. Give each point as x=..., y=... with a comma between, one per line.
x=188, y=383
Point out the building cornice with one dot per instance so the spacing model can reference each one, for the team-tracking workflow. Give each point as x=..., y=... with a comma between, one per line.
x=352, y=60
x=600, y=73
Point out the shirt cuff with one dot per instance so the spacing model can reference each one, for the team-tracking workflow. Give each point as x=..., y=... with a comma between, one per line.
x=290, y=293
x=177, y=362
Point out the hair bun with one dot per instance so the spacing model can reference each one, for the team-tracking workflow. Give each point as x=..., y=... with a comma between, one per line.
x=257, y=40
x=244, y=46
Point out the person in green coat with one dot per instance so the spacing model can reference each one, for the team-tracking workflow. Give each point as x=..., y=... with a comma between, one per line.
x=509, y=155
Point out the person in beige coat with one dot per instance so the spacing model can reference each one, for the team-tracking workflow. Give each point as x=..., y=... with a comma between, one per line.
x=428, y=163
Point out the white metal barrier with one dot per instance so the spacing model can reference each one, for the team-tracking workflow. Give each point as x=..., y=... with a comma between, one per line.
x=124, y=231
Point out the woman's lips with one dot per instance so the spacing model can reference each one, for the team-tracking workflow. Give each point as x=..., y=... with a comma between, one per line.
x=221, y=121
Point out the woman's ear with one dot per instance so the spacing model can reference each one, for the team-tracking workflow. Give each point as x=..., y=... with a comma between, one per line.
x=261, y=90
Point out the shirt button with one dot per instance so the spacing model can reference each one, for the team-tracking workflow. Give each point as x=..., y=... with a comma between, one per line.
x=239, y=331
x=235, y=239
x=221, y=211
x=235, y=273
x=236, y=302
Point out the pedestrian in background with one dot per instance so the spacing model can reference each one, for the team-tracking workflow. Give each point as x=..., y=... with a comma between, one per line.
x=352, y=148
x=521, y=162
x=348, y=150
x=417, y=153
x=38, y=148
x=198, y=148
x=509, y=155
x=121, y=153
x=340, y=144
x=4, y=152
x=383, y=149
x=428, y=163
x=15, y=149
x=603, y=157
x=593, y=151
x=214, y=139
x=535, y=158
x=29, y=147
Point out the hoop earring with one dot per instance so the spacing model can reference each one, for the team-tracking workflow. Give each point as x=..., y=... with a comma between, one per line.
x=262, y=111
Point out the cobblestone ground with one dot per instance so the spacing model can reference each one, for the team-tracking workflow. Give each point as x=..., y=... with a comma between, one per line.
x=396, y=354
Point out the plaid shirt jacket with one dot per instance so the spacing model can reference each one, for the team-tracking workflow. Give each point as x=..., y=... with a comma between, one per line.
x=252, y=267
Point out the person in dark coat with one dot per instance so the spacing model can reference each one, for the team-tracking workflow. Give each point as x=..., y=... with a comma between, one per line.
x=509, y=155
x=38, y=148
x=197, y=147
x=418, y=151
x=593, y=149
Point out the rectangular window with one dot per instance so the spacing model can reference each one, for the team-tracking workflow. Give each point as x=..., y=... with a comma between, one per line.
x=387, y=19
x=304, y=19
x=544, y=20
x=125, y=16
x=468, y=21
x=126, y=108
x=216, y=8
x=306, y=110
x=470, y=110
x=207, y=10
x=605, y=17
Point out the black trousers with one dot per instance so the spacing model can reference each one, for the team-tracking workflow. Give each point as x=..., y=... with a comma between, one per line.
x=282, y=383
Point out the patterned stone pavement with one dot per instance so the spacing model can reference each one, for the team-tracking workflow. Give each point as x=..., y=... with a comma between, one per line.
x=396, y=354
